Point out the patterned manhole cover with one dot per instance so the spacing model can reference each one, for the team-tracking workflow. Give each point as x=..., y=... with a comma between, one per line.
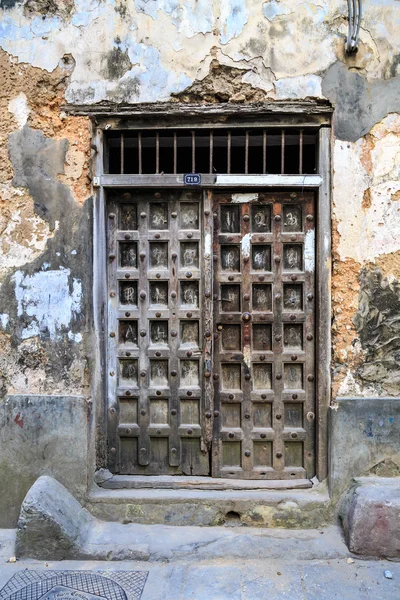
x=75, y=585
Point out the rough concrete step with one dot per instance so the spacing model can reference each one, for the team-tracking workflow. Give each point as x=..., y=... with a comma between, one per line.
x=54, y=526
x=308, y=508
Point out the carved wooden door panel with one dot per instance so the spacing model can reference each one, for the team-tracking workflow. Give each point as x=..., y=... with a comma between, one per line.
x=155, y=334
x=264, y=388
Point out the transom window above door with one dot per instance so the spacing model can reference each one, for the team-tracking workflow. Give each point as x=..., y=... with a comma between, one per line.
x=233, y=151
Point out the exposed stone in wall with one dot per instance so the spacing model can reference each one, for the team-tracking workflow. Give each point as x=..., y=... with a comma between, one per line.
x=222, y=84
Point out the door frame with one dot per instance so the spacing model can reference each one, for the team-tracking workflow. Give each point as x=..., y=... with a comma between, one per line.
x=320, y=183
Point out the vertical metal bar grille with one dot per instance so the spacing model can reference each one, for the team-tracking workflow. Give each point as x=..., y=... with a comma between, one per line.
x=246, y=154
x=229, y=152
x=157, y=153
x=264, y=152
x=211, y=150
x=140, y=151
x=175, y=153
x=301, y=152
x=122, y=144
x=193, y=152
x=288, y=150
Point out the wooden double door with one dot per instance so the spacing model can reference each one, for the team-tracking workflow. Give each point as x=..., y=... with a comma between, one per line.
x=211, y=325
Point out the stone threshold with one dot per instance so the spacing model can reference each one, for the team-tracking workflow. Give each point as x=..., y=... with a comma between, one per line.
x=284, y=508
x=172, y=482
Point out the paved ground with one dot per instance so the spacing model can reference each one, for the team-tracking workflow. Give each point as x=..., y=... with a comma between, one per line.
x=239, y=579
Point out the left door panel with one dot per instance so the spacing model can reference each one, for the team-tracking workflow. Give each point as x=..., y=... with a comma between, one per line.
x=155, y=334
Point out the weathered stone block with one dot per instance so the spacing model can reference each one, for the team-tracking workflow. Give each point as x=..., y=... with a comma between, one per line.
x=370, y=513
x=52, y=524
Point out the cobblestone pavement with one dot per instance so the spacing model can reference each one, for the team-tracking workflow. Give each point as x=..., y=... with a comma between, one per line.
x=223, y=579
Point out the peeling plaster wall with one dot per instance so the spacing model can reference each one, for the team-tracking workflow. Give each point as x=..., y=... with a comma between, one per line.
x=132, y=51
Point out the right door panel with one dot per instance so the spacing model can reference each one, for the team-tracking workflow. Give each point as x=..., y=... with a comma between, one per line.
x=264, y=329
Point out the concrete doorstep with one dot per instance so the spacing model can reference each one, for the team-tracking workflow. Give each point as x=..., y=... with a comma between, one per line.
x=54, y=526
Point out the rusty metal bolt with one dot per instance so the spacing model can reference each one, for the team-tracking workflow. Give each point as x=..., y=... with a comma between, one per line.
x=293, y=317
x=158, y=315
x=279, y=417
x=246, y=259
x=231, y=278
x=246, y=218
x=112, y=334
x=189, y=353
x=207, y=374
x=310, y=218
x=208, y=415
x=310, y=377
x=261, y=277
x=189, y=315
x=278, y=455
x=278, y=218
x=294, y=357
x=278, y=376
x=262, y=356
x=246, y=297
x=278, y=296
x=293, y=277
x=174, y=333
x=277, y=259
x=310, y=337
